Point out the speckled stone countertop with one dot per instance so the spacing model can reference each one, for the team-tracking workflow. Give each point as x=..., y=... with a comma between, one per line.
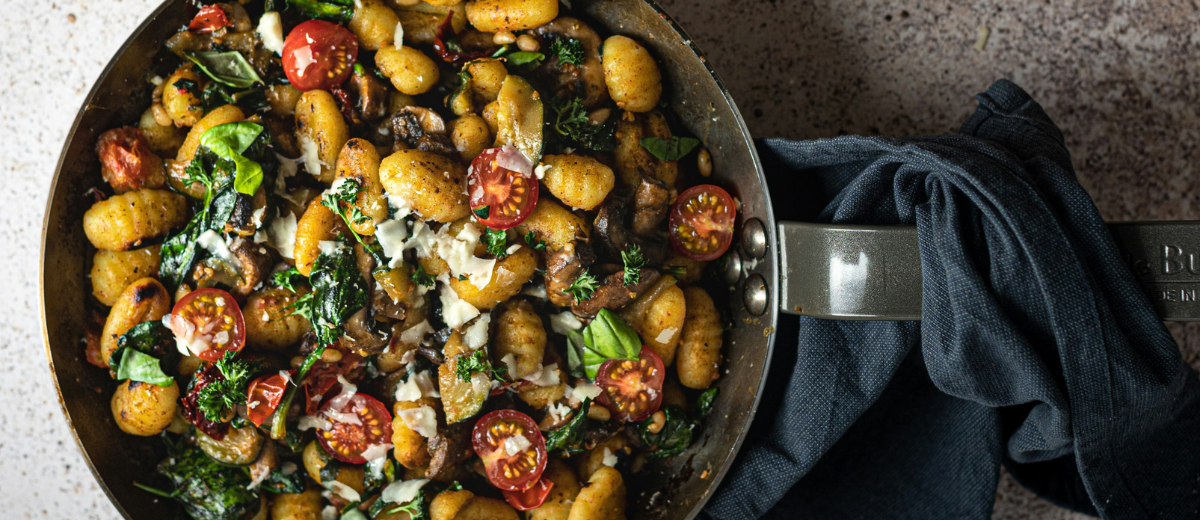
x=1117, y=76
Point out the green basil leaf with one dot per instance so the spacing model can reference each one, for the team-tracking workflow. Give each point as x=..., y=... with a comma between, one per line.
x=608, y=337
x=141, y=367
x=704, y=403
x=671, y=149
x=229, y=67
x=150, y=337
x=229, y=141
x=520, y=58
x=575, y=346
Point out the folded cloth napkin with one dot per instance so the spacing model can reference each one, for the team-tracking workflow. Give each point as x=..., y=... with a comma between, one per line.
x=1037, y=349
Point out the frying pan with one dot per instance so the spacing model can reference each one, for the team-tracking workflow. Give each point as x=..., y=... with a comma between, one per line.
x=841, y=272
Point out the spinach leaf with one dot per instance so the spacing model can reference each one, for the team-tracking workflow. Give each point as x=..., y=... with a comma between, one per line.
x=217, y=95
x=673, y=438
x=569, y=437
x=230, y=141
x=277, y=482
x=178, y=252
x=330, y=470
x=704, y=403
x=568, y=50
x=608, y=337
x=288, y=278
x=342, y=198
x=150, y=337
x=339, y=291
x=671, y=149
x=136, y=366
x=339, y=11
x=206, y=489
x=228, y=67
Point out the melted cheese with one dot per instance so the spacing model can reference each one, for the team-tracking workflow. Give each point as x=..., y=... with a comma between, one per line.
x=455, y=312
x=310, y=154
x=282, y=235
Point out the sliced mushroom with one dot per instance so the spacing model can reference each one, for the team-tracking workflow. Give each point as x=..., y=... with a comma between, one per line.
x=363, y=333
x=424, y=130
x=257, y=263
x=562, y=268
x=612, y=235
x=584, y=81
x=248, y=213
x=651, y=202
x=450, y=446
x=372, y=94
x=613, y=294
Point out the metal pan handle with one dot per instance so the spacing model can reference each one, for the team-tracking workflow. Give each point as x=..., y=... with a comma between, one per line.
x=874, y=273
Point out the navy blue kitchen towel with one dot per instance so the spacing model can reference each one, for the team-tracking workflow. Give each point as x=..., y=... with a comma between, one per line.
x=1037, y=349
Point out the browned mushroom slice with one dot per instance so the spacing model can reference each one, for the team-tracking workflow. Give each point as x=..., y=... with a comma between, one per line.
x=611, y=233
x=256, y=264
x=424, y=130
x=562, y=268
x=584, y=81
x=372, y=94
x=614, y=294
x=450, y=446
x=651, y=202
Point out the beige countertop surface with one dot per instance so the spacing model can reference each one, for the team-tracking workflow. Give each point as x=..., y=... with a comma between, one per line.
x=1117, y=75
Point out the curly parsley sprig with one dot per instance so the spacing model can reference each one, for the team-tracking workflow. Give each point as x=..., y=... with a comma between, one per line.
x=477, y=362
x=217, y=398
x=634, y=262
x=568, y=50
x=497, y=242
x=583, y=286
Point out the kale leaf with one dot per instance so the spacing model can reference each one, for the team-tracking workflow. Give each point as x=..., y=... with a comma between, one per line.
x=178, y=252
x=215, y=95
x=206, y=489
x=342, y=199
x=277, y=482
x=417, y=508
x=339, y=291
x=288, y=278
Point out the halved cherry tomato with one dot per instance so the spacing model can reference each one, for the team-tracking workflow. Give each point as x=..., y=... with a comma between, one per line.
x=209, y=322
x=502, y=187
x=512, y=449
x=531, y=498
x=209, y=19
x=631, y=388
x=263, y=397
x=347, y=441
x=702, y=222
x=190, y=406
x=323, y=376
x=319, y=55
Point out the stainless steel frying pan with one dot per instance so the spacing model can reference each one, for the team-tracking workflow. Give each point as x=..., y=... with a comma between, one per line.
x=886, y=287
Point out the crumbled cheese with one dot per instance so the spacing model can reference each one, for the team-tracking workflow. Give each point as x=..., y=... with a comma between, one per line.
x=257, y=216
x=402, y=491
x=457, y=251
x=184, y=331
x=282, y=235
x=541, y=170
x=585, y=390
x=537, y=291
x=512, y=249
x=476, y=335
x=418, y=385
x=415, y=334
x=455, y=312
x=342, y=490
x=212, y=242
x=329, y=247
x=262, y=476
x=343, y=417
x=666, y=335
x=565, y=322
x=287, y=468
x=156, y=80
x=390, y=234
x=609, y=459
x=545, y=376
x=270, y=31
x=329, y=513
x=398, y=40
x=510, y=361
x=559, y=411
x=400, y=205
x=339, y=402
x=309, y=422
x=376, y=451
x=310, y=155
x=515, y=444
x=422, y=420
x=287, y=377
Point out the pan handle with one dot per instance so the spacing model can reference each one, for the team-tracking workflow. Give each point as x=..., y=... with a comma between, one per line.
x=874, y=273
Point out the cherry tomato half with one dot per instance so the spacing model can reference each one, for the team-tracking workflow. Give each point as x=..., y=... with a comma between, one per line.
x=631, y=388
x=347, y=441
x=319, y=55
x=531, y=498
x=512, y=449
x=210, y=322
x=502, y=187
x=263, y=397
x=702, y=222
x=209, y=19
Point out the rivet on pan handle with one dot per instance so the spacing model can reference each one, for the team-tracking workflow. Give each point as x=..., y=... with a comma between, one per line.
x=874, y=273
